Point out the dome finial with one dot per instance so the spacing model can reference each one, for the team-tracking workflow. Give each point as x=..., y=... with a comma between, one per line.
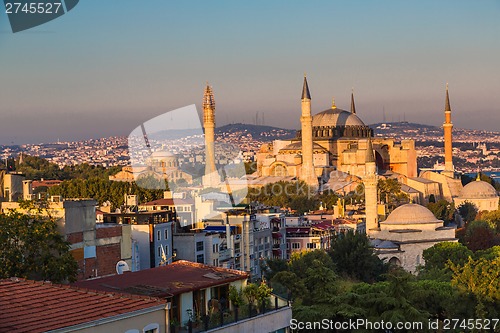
x=333, y=103
x=478, y=178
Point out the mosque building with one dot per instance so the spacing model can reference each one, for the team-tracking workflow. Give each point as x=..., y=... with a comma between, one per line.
x=480, y=193
x=332, y=140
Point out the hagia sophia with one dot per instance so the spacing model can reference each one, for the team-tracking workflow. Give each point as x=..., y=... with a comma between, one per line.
x=339, y=143
x=334, y=147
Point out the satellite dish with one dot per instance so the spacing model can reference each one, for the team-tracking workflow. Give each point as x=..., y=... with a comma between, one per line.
x=121, y=267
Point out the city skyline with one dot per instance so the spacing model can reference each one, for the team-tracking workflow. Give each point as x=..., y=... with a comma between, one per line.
x=104, y=68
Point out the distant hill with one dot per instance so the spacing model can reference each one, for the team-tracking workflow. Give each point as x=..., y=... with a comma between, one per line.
x=421, y=132
x=258, y=132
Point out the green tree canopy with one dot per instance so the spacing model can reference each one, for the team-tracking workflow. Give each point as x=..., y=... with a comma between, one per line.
x=468, y=211
x=390, y=192
x=31, y=247
x=479, y=235
x=443, y=210
x=295, y=195
x=354, y=257
x=437, y=258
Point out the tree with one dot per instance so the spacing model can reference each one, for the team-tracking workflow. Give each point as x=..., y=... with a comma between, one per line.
x=468, y=211
x=437, y=258
x=353, y=256
x=32, y=248
x=479, y=235
x=295, y=195
x=274, y=266
x=390, y=192
x=443, y=210
x=492, y=217
x=251, y=293
x=480, y=277
x=235, y=296
x=301, y=261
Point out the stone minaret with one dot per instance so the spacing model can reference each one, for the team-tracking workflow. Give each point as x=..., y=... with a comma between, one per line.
x=449, y=169
x=307, y=173
x=353, y=106
x=370, y=181
x=211, y=177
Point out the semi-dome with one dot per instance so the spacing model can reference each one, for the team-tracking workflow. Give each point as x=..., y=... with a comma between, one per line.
x=336, y=118
x=478, y=190
x=411, y=214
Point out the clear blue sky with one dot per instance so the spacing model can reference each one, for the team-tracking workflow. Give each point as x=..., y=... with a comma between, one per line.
x=109, y=65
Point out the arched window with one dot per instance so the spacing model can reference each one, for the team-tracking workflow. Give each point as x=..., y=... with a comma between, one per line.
x=395, y=261
x=280, y=171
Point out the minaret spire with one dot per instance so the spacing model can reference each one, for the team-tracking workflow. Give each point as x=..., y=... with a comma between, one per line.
x=305, y=89
x=307, y=172
x=211, y=177
x=447, y=106
x=353, y=106
x=370, y=157
x=449, y=169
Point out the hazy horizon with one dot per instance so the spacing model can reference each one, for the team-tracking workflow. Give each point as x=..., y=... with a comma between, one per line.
x=106, y=67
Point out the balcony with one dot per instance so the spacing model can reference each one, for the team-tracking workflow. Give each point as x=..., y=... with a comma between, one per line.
x=275, y=315
x=224, y=255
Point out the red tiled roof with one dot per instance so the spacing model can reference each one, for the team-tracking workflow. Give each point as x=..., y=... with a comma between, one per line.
x=32, y=306
x=48, y=183
x=165, y=281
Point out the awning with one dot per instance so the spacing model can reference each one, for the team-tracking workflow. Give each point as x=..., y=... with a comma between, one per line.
x=277, y=235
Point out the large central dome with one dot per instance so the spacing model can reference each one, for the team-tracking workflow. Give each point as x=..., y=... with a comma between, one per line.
x=336, y=118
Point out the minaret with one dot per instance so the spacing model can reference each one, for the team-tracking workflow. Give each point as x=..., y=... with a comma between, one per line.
x=211, y=177
x=449, y=169
x=370, y=180
x=307, y=173
x=353, y=107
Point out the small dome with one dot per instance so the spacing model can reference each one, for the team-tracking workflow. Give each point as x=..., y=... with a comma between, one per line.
x=411, y=214
x=478, y=190
x=336, y=118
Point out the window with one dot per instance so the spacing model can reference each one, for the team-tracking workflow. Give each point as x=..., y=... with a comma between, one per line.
x=295, y=246
x=215, y=248
x=166, y=250
x=199, y=246
x=166, y=233
x=311, y=245
x=159, y=251
x=200, y=258
x=158, y=235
